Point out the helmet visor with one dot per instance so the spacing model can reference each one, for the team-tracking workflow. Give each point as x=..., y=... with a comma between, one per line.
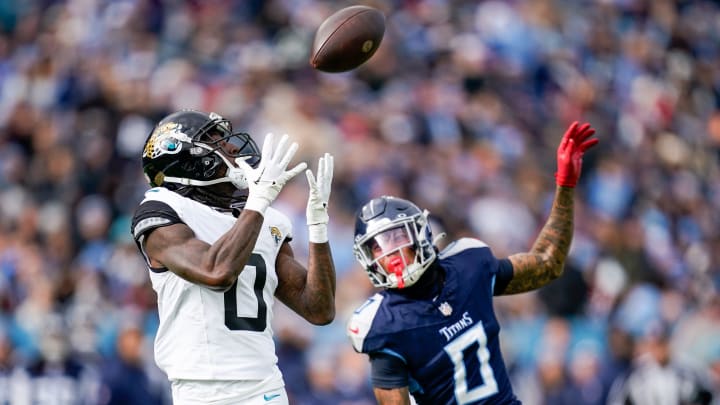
x=387, y=242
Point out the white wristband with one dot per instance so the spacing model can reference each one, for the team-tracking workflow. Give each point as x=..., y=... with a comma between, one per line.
x=317, y=233
x=257, y=204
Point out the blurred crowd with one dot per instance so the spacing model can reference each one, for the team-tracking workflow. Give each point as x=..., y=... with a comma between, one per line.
x=460, y=110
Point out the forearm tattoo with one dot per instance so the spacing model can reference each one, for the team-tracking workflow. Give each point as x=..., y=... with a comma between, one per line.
x=546, y=259
x=322, y=282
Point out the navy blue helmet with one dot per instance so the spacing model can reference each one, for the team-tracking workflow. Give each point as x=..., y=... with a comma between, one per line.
x=384, y=227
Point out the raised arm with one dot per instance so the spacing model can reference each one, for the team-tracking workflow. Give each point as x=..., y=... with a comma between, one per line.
x=218, y=265
x=546, y=259
x=311, y=292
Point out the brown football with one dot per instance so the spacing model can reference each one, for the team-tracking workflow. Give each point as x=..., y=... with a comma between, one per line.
x=347, y=39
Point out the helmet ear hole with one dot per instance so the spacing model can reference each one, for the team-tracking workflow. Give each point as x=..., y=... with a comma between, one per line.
x=209, y=166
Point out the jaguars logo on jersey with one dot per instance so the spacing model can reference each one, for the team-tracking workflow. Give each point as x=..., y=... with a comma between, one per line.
x=276, y=235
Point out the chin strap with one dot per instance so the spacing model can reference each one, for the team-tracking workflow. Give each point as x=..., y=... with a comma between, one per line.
x=191, y=182
x=235, y=176
x=440, y=236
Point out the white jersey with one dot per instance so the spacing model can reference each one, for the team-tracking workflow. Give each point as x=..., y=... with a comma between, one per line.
x=206, y=334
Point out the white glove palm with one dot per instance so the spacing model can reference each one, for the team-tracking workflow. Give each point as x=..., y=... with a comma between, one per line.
x=317, y=206
x=265, y=182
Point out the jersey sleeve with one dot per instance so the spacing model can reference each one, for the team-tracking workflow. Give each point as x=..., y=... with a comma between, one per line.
x=150, y=215
x=477, y=254
x=388, y=371
x=503, y=277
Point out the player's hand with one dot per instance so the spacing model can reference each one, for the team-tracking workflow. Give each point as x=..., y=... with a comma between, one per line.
x=265, y=182
x=317, y=205
x=570, y=152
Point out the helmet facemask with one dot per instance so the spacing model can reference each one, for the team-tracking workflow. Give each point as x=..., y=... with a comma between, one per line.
x=383, y=250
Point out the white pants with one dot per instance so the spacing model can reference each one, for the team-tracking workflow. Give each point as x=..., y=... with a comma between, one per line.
x=270, y=391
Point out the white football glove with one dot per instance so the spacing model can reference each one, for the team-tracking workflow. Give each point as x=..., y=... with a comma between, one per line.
x=317, y=205
x=265, y=182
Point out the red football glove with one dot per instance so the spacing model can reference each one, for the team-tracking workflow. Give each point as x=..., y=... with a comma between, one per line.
x=570, y=152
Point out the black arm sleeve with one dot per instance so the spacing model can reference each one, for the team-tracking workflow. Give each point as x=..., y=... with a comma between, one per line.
x=388, y=371
x=504, y=275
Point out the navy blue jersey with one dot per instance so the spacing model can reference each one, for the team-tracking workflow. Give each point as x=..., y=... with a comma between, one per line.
x=449, y=343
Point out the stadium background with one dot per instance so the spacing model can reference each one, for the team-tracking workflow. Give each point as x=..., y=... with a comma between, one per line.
x=460, y=110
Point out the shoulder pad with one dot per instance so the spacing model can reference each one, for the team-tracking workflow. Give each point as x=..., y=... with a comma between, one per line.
x=461, y=245
x=161, y=194
x=361, y=321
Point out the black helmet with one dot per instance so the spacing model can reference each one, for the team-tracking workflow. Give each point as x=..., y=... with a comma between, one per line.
x=383, y=227
x=190, y=151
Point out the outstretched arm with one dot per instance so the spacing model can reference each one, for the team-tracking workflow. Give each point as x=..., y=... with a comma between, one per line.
x=311, y=292
x=544, y=262
x=546, y=259
x=217, y=266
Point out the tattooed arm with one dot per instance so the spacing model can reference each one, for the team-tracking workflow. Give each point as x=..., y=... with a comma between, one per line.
x=392, y=396
x=309, y=292
x=546, y=259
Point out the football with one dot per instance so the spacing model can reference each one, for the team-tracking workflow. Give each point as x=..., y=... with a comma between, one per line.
x=347, y=39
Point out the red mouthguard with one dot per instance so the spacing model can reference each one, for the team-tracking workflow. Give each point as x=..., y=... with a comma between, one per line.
x=396, y=266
